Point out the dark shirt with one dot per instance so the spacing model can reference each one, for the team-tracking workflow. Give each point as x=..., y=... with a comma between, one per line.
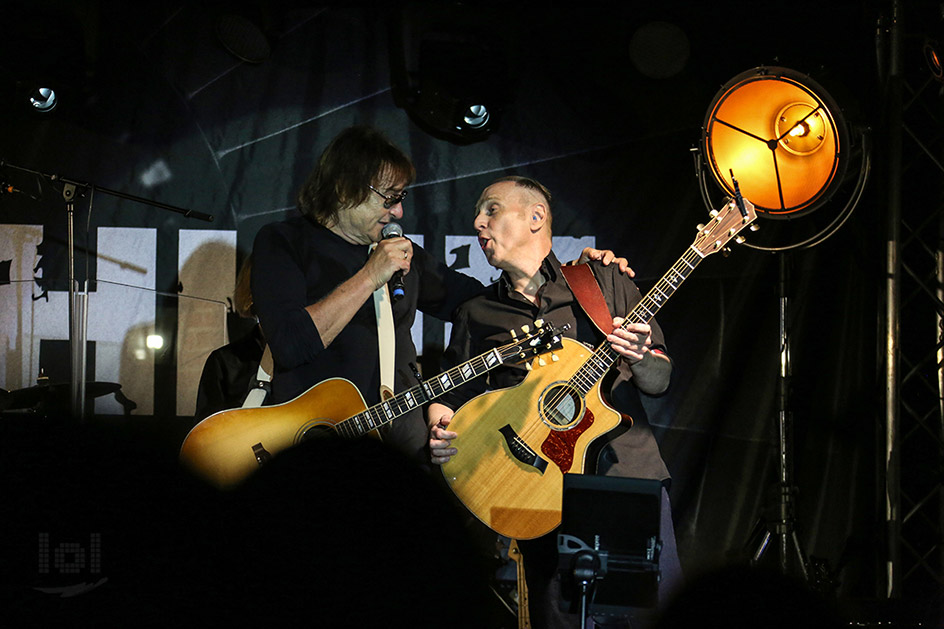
x=297, y=262
x=484, y=322
x=229, y=373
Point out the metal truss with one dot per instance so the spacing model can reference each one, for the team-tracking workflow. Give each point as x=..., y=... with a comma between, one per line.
x=914, y=421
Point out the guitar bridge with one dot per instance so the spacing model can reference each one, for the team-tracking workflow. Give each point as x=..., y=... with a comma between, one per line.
x=520, y=450
x=262, y=455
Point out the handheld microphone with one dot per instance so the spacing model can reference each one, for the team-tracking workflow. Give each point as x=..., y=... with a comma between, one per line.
x=393, y=230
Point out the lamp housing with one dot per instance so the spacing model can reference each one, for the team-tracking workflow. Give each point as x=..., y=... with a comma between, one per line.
x=781, y=136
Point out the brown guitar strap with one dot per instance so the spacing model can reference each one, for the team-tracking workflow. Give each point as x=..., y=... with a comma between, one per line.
x=585, y=288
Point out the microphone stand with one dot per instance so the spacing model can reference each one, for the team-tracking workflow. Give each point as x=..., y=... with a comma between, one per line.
x=78, y=301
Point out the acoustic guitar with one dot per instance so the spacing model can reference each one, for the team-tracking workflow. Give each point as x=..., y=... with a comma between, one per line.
x=226, y=447
x=515, y=444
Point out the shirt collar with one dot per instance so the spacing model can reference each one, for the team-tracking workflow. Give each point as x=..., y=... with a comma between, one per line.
x=550, y=269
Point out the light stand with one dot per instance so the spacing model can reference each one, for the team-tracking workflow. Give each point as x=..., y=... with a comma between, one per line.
x=78, y=301
x=787, y=141
x=783, y=526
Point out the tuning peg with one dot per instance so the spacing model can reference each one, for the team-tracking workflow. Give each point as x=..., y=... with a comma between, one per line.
x=528, y=366
x=755, y=227
x=539, y=323
x=554, y=357
x=740, y=240
x=700, y=226
x=514, y=335
x=525, y=329
x=541, y=361
x=713, y=213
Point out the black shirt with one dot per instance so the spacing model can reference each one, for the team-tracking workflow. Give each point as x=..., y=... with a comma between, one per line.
x=297, y=262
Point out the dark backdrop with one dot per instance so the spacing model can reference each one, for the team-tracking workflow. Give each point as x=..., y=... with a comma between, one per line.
x=606, y=121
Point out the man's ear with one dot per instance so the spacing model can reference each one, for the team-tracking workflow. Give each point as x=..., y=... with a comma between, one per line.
x=538, y=216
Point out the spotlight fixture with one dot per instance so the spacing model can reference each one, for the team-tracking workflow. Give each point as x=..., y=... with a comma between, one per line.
x=783, y=137
x=786, y=141
x=449, y=69
x=43, y=99
x=476, y=116
x=779, y=138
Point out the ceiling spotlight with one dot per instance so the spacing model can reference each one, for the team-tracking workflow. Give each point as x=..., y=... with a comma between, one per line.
x=476, y=116
x=43, y=99
x=449, y=69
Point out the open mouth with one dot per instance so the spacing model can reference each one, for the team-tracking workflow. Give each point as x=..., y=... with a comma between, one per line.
x=483, y=242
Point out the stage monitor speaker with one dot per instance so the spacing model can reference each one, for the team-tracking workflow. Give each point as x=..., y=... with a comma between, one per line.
x=609, y=543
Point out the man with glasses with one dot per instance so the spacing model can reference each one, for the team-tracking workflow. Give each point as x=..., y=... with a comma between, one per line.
x=315, y=276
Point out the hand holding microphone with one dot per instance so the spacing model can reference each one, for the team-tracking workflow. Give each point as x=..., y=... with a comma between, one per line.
x=393, y=230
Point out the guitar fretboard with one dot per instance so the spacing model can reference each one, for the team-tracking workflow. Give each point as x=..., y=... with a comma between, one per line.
x=604, y=356
x=402, y=403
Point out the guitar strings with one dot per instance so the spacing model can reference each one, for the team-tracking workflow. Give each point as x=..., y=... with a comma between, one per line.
x=479, y=365
x=604, y=356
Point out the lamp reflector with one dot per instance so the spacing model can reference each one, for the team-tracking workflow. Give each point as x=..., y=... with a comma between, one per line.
x=781, y=135
x=43, y=99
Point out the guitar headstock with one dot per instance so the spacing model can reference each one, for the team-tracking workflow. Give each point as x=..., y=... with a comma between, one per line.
x=725, y=225
x=543, y=338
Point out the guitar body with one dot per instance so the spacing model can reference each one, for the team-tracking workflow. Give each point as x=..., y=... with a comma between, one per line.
x=515, y=444
x=227, y=447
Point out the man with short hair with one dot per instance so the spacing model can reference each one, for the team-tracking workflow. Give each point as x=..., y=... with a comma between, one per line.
x=513, y=223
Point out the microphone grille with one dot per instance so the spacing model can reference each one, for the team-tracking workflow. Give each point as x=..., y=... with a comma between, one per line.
x=391, y=230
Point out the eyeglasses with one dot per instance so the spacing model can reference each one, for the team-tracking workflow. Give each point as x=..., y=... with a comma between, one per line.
x=390, y=201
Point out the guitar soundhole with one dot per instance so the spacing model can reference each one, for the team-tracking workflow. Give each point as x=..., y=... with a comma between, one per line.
x=318, y=431
x=561, y=407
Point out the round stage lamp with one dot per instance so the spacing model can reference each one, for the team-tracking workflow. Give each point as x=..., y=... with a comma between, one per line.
x=43, y=99
x=781, y=136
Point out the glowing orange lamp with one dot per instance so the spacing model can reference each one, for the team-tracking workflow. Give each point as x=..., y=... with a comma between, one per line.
x=781, y=135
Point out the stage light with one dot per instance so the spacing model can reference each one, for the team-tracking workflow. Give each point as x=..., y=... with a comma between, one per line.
x=43, y=99
x=476, y=116
x=782, y=135
x=777, y=137
x=449, y=69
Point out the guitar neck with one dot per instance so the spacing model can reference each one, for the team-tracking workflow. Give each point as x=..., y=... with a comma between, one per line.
x=604, y=356
x=653, y=301
x=402, y=403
